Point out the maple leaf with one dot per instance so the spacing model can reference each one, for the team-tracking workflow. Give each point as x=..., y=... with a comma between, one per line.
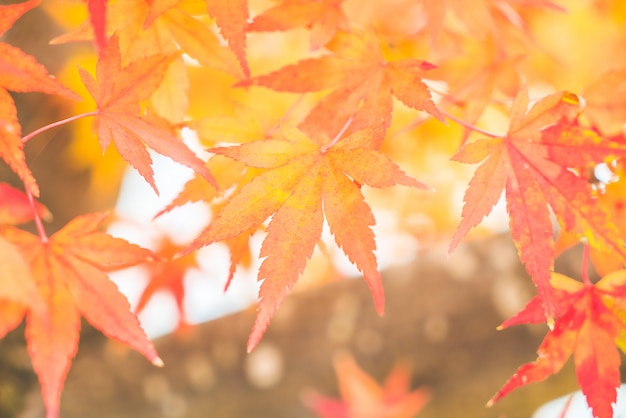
x=15, y=208
x=475, y=78
x=301, y=177
x=605, y=102
x=363, y=84
x=228, y=173
x=117, y=98
x=68, y=271
x=168, y=274
x=20, y=72
x=97, y=18
x=532, y=163
x=483, y=18
x=163, y=27
x=18, y=290
x=324, y=18
x=591, y=319
x=241, y=127
x=362, y=396
x=603, y=262
x=232, y=18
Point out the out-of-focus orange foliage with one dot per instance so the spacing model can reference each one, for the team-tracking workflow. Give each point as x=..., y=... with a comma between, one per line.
x=363, y=397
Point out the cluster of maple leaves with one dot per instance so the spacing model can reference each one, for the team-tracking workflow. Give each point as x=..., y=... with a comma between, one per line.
x=298, y=174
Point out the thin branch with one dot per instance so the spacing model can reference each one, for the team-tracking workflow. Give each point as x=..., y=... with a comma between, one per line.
x=338, y=136
x=55, y=124
x=567, y=405
x=410, y=126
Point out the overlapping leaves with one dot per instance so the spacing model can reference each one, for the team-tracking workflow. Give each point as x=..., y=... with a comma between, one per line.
x=305, y=176
x=591, y=320
x=68, y=274
x=305, y=182
x=363, y=83
x=535, y=164
x=20, y=72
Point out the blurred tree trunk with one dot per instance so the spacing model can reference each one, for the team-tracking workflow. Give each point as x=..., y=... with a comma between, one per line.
x=440, y=319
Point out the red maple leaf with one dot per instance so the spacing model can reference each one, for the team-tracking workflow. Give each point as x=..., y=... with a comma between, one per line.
x=68, y=271
x=118, y=95
x=301, y=177
x=97, y=18
x=533, y=162
x=591, y=319
x=20, y=72
x=15, y=207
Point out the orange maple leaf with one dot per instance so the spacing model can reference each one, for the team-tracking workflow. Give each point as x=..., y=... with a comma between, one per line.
x=301, y=177
x=591, y=319
x=163, y=27
x=533, y=163
x=475, y=78
x=118, y=119
x=68, y=271
x=18, y=290
x=483, y=18
x=20, y=72
x=324, y=18
x=232, y=18
x=363, y=84
x=363, y=397
x=605, y=102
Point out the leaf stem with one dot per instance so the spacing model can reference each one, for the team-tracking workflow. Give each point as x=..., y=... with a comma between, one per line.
x=40, y=229
x=55, y=124
x=584, y=265
x=338, y=136
x=567, y=405
x=469, y=125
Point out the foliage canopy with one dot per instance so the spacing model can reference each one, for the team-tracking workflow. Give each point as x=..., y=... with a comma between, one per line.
x=306, y=105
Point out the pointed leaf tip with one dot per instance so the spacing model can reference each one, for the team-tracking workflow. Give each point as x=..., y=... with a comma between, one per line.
x=379, y=303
